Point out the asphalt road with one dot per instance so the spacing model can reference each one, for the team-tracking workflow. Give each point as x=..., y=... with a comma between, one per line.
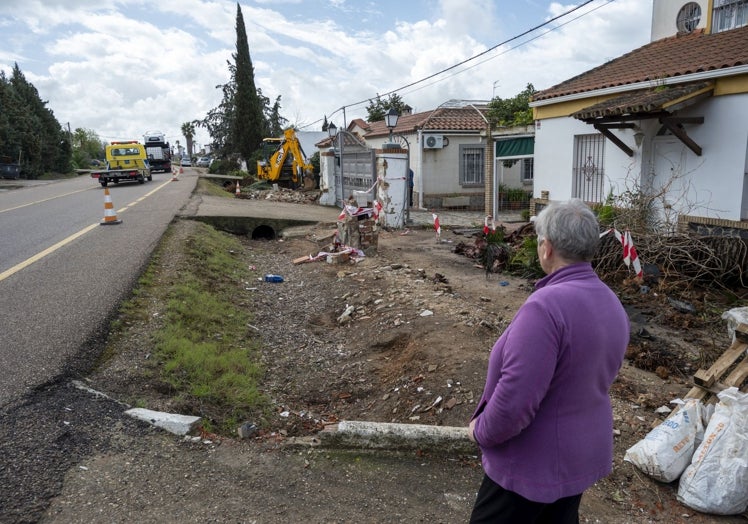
x=63, y=274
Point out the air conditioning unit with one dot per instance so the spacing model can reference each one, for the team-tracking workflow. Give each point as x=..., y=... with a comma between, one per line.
x=433, y=142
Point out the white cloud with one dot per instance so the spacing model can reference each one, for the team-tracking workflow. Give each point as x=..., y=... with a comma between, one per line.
x=123, y=67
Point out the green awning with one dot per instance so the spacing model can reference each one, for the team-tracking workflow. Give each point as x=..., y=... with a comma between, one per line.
x=515, y=147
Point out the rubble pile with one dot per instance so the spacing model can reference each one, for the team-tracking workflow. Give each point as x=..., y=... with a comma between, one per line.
x=280, y=195
x=354, y=329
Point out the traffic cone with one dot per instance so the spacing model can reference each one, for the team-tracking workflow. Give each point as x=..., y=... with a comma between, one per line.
x=174, y=175
x=110, y=217
x=238, y=189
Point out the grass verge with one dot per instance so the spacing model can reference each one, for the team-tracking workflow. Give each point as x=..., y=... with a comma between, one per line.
x=203, y=354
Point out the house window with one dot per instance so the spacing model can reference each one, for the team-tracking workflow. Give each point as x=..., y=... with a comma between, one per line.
x=589, y=172
x=688, y=17
x=528, y=166
x=471, y=165
x=729, y=14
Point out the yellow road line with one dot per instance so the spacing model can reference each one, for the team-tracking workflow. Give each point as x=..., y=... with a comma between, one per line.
x=35, y=258
x=18, y=267
x=44, y=200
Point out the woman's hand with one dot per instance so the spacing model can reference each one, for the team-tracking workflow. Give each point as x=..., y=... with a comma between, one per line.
x=471, y=428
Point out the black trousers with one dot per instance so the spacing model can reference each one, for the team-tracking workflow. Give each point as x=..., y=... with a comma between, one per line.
x=496, y=505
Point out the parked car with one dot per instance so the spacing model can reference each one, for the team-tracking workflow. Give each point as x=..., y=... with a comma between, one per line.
x=185, y=162
x=203, y=161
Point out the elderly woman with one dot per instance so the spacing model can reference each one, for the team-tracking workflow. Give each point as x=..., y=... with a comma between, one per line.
x=544, y=423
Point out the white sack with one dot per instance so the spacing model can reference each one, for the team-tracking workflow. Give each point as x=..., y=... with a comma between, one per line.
x=666, y=451
x=716, y=481
x=734, y=317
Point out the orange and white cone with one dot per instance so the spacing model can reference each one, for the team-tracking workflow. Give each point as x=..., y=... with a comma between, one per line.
x=174, y=175
x=238, y=189
x=110, y=216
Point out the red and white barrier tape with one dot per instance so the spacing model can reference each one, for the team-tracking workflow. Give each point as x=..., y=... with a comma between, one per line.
x=486, y=229
x=630, y=256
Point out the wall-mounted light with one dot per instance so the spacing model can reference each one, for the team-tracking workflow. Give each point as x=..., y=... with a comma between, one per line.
x=638, y=136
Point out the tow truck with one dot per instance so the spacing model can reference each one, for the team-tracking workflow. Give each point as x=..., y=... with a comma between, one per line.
x=126, y=162
x=284, y=161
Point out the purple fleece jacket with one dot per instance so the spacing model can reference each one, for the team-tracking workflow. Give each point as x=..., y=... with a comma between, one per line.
x=544, y=422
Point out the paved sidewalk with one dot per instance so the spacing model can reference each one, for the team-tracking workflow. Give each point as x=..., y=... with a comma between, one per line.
x=422, y=217
x=203, y=205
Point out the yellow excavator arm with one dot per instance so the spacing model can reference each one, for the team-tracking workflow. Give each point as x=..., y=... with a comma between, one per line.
x=287, y=165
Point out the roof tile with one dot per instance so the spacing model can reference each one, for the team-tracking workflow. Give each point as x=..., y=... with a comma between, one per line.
x=666, y=58
x=641, y=101
x=470, y=117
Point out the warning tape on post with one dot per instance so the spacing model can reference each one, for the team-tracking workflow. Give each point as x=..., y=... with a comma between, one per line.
x=630, y=256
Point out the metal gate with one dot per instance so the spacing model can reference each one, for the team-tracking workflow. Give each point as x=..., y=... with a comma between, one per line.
x=355, y=168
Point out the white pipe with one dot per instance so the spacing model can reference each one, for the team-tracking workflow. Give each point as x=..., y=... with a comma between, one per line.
x=420, y=169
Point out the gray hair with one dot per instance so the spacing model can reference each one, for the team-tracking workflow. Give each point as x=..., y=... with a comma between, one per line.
x=572, y=227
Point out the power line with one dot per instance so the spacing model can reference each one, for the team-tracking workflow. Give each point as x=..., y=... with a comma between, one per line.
x=454, y=66
x=511, y=48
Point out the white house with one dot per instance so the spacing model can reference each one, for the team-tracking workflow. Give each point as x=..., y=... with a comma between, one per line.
x=446, y=152
x=458, y=160
x=669, y=118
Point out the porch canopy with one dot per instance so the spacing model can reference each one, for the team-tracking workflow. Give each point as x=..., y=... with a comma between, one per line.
x=661, y=102
x=521, y=147
x=514, y=148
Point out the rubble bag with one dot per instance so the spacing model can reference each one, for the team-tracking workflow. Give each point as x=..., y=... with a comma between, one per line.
x=666, y=451
x=716, y=481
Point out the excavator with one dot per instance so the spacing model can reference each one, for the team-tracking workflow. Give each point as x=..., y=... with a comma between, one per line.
x=284, y=162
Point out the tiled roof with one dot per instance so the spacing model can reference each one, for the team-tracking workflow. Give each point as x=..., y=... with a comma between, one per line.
x=667, y=58
x=360, y=122
x=405, y=124
x=468, y=117
x=642, y=101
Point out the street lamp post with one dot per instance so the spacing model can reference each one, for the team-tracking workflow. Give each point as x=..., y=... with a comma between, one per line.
x=390, y=120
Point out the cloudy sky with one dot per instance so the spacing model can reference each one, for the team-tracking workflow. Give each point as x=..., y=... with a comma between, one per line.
x=123, y=67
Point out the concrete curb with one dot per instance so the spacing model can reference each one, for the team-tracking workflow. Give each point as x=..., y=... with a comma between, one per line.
x=391, y=436
x=177, y=424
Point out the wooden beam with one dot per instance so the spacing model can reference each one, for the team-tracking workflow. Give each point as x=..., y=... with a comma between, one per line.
x=677, y=129
x=621, y=125
x=613, y=138
x=686, y=119
x=706, y=378
x=625, y=118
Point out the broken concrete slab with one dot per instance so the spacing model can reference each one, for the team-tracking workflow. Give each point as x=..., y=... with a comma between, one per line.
x=173, y=423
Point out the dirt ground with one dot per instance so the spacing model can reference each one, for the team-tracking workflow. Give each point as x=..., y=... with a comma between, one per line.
x=413, y=349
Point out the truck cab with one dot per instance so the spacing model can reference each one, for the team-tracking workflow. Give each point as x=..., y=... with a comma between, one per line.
x=126, y=161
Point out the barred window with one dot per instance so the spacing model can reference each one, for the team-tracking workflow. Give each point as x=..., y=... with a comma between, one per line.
x=528, y=169
x=688, y=17
x=729, y=14
x=589, y=172
x=471, y=165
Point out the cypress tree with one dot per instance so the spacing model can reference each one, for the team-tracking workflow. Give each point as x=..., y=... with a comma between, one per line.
x=248, y=119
